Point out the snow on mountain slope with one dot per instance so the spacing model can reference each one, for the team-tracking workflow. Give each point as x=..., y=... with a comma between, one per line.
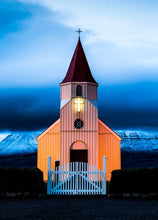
x=3, y=135
x=21, y=143
x=25, y=142
x=139, y=140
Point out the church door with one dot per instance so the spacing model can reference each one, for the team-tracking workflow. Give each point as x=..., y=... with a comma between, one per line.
x=79, y=152
x=78, y=156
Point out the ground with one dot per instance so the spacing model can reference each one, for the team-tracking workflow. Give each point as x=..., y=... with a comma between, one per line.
x=76, y=208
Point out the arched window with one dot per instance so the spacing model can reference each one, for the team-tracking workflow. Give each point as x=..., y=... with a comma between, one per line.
x=78, y=90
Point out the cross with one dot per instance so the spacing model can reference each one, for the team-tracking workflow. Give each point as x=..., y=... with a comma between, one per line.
x=79, y=31
x=78, y=101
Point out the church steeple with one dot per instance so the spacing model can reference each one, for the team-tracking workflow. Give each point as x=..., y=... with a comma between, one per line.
x=78, y=136
x=79, y=70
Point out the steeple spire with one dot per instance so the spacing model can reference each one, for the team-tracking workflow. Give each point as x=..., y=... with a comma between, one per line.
x=79, y=70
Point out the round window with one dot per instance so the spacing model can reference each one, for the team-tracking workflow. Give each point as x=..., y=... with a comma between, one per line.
x=78, y=123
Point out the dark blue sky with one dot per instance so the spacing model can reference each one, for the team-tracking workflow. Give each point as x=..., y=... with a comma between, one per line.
x=37, y=41
x=132, y=106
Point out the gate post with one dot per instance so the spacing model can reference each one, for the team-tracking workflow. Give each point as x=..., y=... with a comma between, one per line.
x=104, y=175
x=49, y=179
x=76, y=179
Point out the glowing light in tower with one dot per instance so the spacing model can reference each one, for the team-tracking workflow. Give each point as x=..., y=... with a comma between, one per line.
x=79, y=102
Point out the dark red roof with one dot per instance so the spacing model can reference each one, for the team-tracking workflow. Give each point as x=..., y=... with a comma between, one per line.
x=79, y=70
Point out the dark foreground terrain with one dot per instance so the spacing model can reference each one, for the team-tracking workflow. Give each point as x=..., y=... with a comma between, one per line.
x=132, y=160
x=129, y=160
x=86, y=208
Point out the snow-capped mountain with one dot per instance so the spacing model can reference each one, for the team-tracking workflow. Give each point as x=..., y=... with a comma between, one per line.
x=25, y=142
x=139, y=140
x=3, y=135
x=21, y=143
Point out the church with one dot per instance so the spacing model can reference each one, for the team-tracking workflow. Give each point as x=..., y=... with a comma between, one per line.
x=79, y=135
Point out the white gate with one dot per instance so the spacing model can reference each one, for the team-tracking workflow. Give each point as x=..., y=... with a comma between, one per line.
x=76, y=178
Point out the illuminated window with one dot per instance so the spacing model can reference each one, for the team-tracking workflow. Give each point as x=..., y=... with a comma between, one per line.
x=78, y=90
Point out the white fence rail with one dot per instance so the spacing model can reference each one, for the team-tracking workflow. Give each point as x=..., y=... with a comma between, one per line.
x=76, y=178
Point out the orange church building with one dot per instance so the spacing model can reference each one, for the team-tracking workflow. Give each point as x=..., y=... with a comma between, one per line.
x=79, y=135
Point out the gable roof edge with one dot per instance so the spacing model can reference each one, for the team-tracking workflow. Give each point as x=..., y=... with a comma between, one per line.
x=113, y=132
x=46, y=131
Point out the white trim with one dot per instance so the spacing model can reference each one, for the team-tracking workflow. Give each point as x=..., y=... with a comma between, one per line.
x=83, y=146
x=64, y=102
x=94, y=102
x=83, y=83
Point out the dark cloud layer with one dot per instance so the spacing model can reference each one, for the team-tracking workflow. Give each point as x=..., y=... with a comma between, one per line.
x=129, y=106
x=120, y=106
x=28, y=109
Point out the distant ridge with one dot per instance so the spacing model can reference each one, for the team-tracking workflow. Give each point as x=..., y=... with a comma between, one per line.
x=21, y=143
x=139, y=140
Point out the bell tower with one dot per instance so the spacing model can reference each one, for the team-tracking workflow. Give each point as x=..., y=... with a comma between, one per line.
x=79, y=112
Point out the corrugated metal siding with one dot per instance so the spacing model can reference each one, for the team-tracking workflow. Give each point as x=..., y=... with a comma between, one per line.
x=89, y=91
x=88, y=134
x=65, y=92
x=49, y=145
x=92, y=92
x=109, y=146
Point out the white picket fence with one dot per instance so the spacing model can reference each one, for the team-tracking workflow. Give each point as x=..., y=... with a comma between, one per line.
x=76, y=178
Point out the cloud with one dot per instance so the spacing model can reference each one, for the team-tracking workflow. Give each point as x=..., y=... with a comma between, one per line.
x=28, y=57
x=124, y=23
x=37, y=41
x=120, y=41
x=151, y=62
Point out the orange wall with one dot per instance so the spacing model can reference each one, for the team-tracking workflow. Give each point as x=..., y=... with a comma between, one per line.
x=48, y=145
x=109, y=146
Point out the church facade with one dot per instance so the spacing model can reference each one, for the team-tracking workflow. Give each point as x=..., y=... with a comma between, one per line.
x=79, y=135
